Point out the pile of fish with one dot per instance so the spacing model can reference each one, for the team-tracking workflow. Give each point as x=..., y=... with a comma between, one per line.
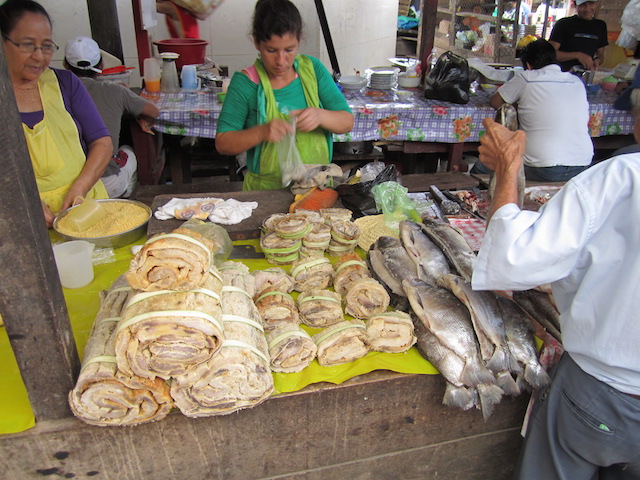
x=481, y=342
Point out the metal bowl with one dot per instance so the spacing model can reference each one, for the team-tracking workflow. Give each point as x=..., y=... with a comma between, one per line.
x=110, y=241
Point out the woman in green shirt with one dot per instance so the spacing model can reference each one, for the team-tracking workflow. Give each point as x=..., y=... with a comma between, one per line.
x=279, y=85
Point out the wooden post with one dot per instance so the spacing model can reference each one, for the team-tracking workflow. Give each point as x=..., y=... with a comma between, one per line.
x=105, y=28
x=31, y=300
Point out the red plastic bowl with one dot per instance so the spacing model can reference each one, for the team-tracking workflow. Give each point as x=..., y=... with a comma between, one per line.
x=191, y=50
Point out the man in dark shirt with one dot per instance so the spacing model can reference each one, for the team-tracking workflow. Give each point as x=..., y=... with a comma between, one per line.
x=580, y=40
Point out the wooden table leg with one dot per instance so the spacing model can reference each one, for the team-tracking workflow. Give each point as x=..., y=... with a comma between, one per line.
x=179, y=161
x=454, y=160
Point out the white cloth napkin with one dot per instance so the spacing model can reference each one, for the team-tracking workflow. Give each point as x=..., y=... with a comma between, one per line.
x=232, y=211
x=216, y=210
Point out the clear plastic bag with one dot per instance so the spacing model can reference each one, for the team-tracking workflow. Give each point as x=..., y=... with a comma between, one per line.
x=291, y=166
x=393, y=201
x=214, y=232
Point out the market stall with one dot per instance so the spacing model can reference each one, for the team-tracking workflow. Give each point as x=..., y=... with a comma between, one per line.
x=377, y=416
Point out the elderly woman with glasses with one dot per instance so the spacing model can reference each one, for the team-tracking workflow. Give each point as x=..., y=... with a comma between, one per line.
x=68, y=142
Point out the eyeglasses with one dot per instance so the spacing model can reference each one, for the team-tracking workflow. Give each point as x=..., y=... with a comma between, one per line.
x=29, y=47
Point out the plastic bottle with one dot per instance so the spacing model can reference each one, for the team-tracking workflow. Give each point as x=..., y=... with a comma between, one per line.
x=432, y=59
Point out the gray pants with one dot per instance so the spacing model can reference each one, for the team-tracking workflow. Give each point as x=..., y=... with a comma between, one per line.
x=581, y=428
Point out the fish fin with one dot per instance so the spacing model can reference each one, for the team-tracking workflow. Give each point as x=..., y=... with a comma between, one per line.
x=490, y=396
x=459, y=397
x=536, y=376
x=506, y=382
x=475, y=372
x=500, y=359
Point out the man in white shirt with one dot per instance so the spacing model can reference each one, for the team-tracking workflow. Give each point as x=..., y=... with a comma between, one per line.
x=553, y=111
x=585, y=242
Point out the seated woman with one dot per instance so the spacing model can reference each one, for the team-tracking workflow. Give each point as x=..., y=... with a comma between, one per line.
x=68, y=143
x=280, y=84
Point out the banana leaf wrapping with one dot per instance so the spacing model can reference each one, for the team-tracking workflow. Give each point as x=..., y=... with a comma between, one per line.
x=291, y=349
x=178, y=260
x=276, y=306
x=239, y=375
x=103, y=394
x=168, y=333
x=341, y=343
x=391, y=332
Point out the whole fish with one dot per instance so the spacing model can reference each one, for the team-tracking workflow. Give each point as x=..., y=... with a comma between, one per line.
x=390, y=263
x=522, y=343
x=428, y=257
x=453, y=244
x=489, y=328
x=539, y=306
x=448, y=319
x=451, y=366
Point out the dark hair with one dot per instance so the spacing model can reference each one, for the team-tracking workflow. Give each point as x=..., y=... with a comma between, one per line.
x=538, y=54
x=275, y=17
x=12, y=11
x=80, y=72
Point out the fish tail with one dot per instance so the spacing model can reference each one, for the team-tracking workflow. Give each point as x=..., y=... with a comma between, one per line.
x=506, y=382
x=500, y=359
x=522, y=384
x=536, y=376
x=475, y=372
x=490, y=396
x=460, y=397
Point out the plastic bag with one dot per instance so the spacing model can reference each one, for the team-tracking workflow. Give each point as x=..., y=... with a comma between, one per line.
x=201, y=9
x=393, y=201
x=214, y=232
x=291, y=166
x=630, y=34
x=358, y=197
x=448, y=80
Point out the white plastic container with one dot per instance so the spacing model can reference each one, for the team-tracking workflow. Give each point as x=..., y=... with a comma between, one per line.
x=75, y=266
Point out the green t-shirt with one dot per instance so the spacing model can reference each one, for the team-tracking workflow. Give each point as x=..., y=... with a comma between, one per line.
x=240, y=108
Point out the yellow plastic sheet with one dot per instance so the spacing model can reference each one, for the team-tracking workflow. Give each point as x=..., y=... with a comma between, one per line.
x=83, y=304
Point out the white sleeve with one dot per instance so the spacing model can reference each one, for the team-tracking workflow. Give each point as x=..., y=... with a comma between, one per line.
x=523, y=249
x=513, y=89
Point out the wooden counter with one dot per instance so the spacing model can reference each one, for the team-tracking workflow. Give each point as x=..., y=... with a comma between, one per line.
x=378, y=426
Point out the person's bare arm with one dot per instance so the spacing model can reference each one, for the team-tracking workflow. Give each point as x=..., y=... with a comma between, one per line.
x=98, y=156
x=496, y=100
x=599, y=57
x=501, y=150
x=236, y=142
x=335, y=121
x=150, y=110
x=585, y=60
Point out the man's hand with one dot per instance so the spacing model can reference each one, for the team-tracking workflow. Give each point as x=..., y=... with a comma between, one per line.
x=500, y=145
x=501, y=150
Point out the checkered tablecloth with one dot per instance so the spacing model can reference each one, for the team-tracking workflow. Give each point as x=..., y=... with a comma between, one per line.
x=472, y=229
x=386, y=117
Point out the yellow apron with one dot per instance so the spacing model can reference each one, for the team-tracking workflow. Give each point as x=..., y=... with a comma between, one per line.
x=54, y=146
x=312, y=146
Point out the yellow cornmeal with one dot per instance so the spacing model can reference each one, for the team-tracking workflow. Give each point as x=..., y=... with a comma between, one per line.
x=120, y=217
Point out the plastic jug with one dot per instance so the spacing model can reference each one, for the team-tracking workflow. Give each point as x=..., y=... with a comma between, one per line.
x=169, y=82
x=189, y=78
x=75, y=266
x=151, y=75
x=85, y=215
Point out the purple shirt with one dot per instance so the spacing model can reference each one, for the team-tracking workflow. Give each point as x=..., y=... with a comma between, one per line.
x=80, y=106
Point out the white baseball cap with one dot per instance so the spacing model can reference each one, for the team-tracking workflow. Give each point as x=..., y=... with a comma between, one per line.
x=83, y=53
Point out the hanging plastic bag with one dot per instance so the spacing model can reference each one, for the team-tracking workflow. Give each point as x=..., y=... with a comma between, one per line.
x=358, y=198
x=448, y=80
x=291, y=166
x=393, y=201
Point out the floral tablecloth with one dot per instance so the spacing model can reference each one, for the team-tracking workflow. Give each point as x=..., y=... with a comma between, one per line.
x=384, y=115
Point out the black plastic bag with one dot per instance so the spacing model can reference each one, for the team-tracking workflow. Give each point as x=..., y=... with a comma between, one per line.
x=448, y=80
x=358, y=197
